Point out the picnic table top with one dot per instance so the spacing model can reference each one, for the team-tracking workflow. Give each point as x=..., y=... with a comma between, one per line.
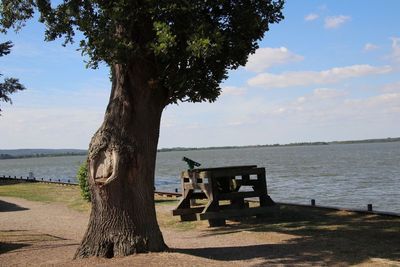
x=245, y=167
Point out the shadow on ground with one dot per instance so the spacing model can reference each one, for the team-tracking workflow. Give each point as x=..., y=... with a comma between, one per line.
x=321, y=237
x=8, y=206
x=13, y=241
x=7, y=247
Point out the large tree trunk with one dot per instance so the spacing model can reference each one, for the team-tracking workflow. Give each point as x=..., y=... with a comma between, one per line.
x=121, y=162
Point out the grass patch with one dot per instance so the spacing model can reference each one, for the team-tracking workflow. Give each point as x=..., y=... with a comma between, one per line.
x=54, y=193
x=48, y=193
x=165, y=201
x=71, y=196
x=166, y=220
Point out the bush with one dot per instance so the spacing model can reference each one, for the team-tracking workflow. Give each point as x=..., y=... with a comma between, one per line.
x=82, y=176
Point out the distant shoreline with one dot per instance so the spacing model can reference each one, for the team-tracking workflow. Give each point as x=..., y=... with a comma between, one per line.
x=7, y=156
x=40, y=153
x=365, y=141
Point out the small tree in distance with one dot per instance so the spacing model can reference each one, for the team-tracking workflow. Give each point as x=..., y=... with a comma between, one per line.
x=82, y=177
x=9, y=85
x=159, y=52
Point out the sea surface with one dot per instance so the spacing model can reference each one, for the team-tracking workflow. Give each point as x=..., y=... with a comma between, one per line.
x=342, y=175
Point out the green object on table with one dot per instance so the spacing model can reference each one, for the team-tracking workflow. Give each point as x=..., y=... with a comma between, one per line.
x=191, y=163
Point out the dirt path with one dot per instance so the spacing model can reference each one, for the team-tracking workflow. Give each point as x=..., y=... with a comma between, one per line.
x=44, y=234
x=34, y=233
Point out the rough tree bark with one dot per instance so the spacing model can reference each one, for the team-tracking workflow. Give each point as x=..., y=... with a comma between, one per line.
x=121, y=162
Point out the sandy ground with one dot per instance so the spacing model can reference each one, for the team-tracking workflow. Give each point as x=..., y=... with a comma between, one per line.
x=34, y=233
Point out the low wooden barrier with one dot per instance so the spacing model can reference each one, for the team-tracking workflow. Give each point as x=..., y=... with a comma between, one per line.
x=21, y=179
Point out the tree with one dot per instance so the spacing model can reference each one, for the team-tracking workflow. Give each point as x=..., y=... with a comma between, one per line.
x=159, y=53
x=82, y=177
x=10, y=85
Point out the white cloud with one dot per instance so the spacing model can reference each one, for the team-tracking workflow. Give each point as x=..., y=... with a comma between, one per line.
x=56, y=118
x=370, y=47
x=311, y=17
x=391, y=87
x=55, y=127
x=395, y=49
x=325, y=107
x=232, y=90
x=323, y=114
x=320, y=99
x=327, y=93
x=385, y=104
x=336, y=21
x=267, y=57
x=305, y=78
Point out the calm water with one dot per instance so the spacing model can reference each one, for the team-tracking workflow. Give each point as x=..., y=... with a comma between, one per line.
x=348, y=176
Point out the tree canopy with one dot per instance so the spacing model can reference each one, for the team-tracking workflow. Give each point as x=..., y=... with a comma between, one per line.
x=191, y=44
x=160, y=52
x=9, y=85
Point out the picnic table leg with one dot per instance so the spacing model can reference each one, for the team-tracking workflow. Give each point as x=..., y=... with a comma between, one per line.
x=265, y=199
x=213, y=204
x=239, y=203
x=185, y=204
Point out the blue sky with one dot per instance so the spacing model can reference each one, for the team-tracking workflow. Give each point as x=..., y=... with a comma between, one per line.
x=329, y=71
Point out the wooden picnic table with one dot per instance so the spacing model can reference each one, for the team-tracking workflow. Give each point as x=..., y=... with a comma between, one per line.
x=225, y=190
